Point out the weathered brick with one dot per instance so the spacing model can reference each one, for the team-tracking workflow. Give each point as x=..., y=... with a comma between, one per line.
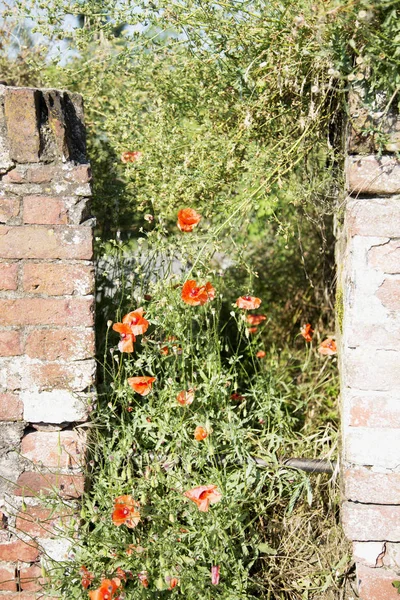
x=372, y=447
x=30, y=578
x=376, y=584
x=14, y=176
x=44, y=210
x=38, y=521
x=371, y=523
x=9, y=209
x=7, y=579
x=56, y=344
x=374, y=411
x=54, y=448
x=375, y=217
x=32, y=241
x=11, y=407
x=19, y=550
x=384, y=376
x=368, y=486
x=369, y=554
x=385, y=257
x=383, y=336
x=55, y=406
x=21, y=109
x=79, y=174
x=66, y=486
x=373, y=175
x=389, y=294
x=41, y=174
x=8, y=276
x=57, y=279
x=77, y=376
x=10, y=342
x=46, y=311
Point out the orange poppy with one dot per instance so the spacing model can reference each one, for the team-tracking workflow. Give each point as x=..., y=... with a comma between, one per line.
x=200, y=433
x=328, y=347
x=255, y=319
x=237, y=397
x=203, y=496
x=136, y=321
x=196, y=295
x=307, y=331
x=142, y=576
x=126, y=512
x=252, y=329
x=185, y=398
x=188, y=219
x=141, y=385
x=248, y=302
x=87, y=577
x=106, y=591
x=215, y=574
x=173, y=582
x=260, y=354
x=120, y=573
x=131, y=157
x=127, y=337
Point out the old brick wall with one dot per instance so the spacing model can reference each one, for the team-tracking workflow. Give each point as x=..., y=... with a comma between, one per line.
x=46, y=326
x=369, y=332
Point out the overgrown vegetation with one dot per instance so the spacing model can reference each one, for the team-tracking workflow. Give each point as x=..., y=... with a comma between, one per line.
x=233, y=109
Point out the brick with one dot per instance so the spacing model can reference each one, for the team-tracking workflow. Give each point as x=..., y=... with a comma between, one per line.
x=79, y=174
x=376, y=584
x=10, y=343
x=41, y=174
x=37, y=521
x=60, y=449
x=55, y=406
x=389, y=294
x=46, y=311
x=57, y=279
x=24, y=551
x=9, y=209
x=384, y=376
x=27, y=596
x=11, y=407
x=30, y=241
x=56, y=344
x=8, y=276
x=66, y=486
x=77, y=376
x=44, y=210
x=14, y=176
x=30, y=578
x=385, y=257
x=372, y=447
x=373, y=175
x=368, y=486
x=369, y=553
x=374, y=411
x=7, y=579
x=371, y=523
x=21, y=109
x=391, y=557
x=375, y=217
x=385, y=336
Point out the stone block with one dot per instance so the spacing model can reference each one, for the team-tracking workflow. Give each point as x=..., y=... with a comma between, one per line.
x=374, y=217
x=373, y=175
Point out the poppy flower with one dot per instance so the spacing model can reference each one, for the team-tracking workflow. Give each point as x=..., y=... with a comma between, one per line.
x=248, y=302
x=196, y=295
x=185, y=398
x=106, y=590
x=255, y=319
x=87, y=577
x=136, y=321
x=203, y=496
x=120, y=573
x=328, y=347
x=131, y=157
x=200, y=433
x=188, y=219
x=237, y=397
x=141, y=385
x=252, y=329
x=173, y=582
x=307, y=331
x=142, y=576
x=127, y=337
x=260, y=354
x=215, y=574
x=126, y=512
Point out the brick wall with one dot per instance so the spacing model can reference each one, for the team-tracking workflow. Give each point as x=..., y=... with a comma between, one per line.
x=46, y=327
x=369, y=324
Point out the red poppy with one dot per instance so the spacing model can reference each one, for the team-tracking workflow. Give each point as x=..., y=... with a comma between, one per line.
x=328, y=347
x=188, y=219
x=126, y=512
x=141, y=385
x=307, y=331
x=131, y=157
x=203, y=496
x=215, y=574
x=252, y=329
x=255, y=319
x=136, y=321
x=196, y=295
x=248, y=302
x=185, y=398
x=173, y=582
x=142, y=576
x=106, y=591
x=127, y=337
x=87, y=577
x=200, y=433
x=260, y=354
x=237, y=397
